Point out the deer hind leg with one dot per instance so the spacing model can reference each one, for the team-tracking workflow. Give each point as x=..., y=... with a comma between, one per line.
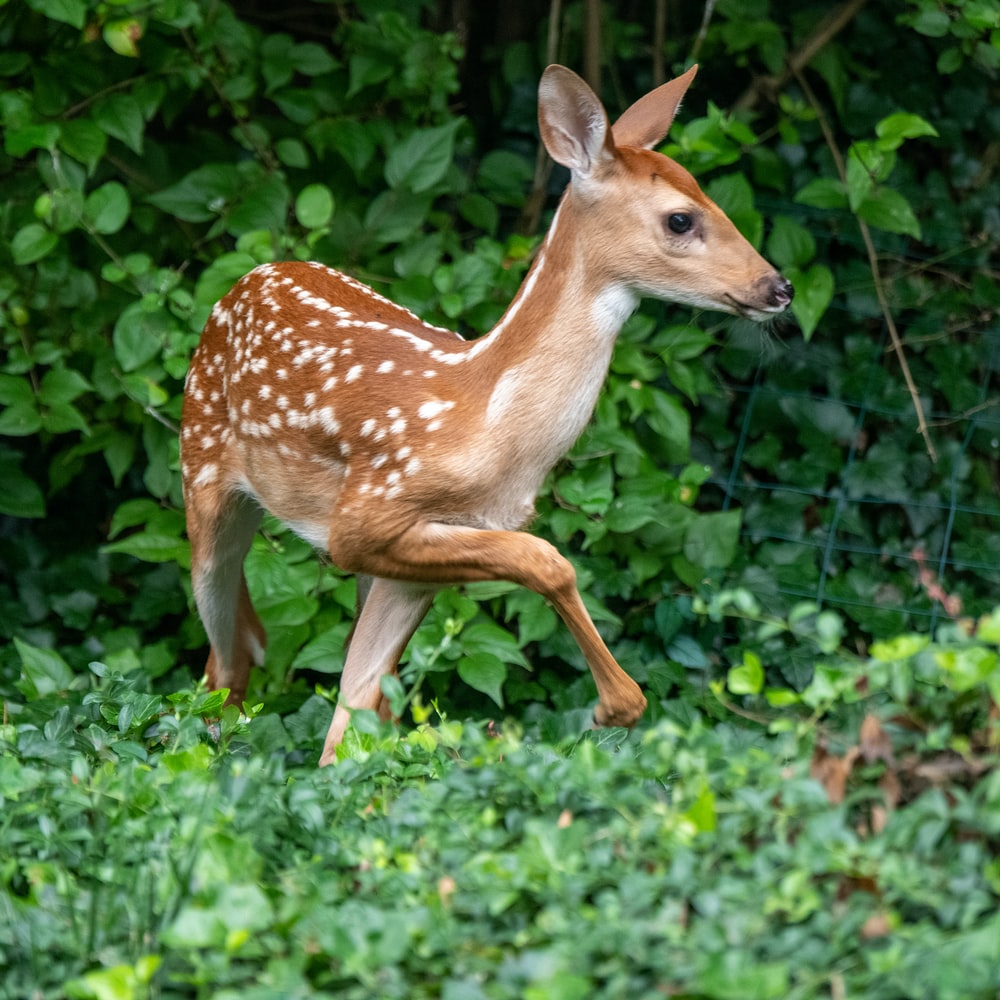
x=447, y=553
x=390, y=612
x=221, y=533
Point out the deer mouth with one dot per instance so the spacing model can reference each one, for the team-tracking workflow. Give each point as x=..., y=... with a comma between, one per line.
x=777, y=295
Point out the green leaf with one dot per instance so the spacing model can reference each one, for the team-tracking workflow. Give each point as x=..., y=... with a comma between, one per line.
x=122, y=35
x=485, y=672
x=902, y=125
x=887, y=209
x=20, y=141
x=107, y=208
x=859, y=182
x=216, y=279
x=734, y=195
x=120, y=116
x=902, y=647
x=312, y=59
x=152, y=548
x=201, y=195
x=31, y=243
x=967, y=668
x=84, y=141
x=790, y=244
x=61, y=418
x=351, y=139
x=395, y=215
x=712, y=539
x=62, y=385
x=43, y=671
x=140, y=333
x=20, y=419
x=702, y=812
x=20, y=496
x=261, y=205
x=748, y=677
x=813, y=293
x=421, y=159
x=73, y=12
x=314, y=206
x=824, y=192
x=671, y=421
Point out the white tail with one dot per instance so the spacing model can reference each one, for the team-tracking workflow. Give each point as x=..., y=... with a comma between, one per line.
x=412, y=456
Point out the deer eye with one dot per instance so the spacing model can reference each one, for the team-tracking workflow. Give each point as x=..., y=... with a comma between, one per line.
x=679, y=222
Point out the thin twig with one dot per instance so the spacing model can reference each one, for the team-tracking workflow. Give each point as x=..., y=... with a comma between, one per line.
x=592, y=46
x=706, y=20
x=531, y=213
x=659, y=36
x=832, y=24
x=873, y=264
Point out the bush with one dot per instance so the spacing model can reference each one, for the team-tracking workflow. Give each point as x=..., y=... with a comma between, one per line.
x=842, y=845
x=796, y=565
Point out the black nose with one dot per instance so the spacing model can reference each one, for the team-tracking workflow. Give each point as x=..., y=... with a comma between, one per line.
x=782, y=292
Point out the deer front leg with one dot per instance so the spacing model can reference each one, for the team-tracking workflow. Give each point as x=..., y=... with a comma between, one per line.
x=441, y=553
x=390, y=612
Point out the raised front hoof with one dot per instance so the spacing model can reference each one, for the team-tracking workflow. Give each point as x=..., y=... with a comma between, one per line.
x=625, y=715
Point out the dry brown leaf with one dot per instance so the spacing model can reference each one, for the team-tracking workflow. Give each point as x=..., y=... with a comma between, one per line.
x=832, y=771
x=874, y=742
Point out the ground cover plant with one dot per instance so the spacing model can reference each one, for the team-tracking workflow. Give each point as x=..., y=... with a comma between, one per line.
x=789, y=540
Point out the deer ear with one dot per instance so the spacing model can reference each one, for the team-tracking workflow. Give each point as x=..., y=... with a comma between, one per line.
x=572, y=122
x=649, y=119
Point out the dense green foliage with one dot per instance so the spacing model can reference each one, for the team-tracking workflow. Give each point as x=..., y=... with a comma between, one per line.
x=702, y=857
x=794, y=820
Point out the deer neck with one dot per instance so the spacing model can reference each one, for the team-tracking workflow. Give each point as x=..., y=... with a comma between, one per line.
x=545, y=361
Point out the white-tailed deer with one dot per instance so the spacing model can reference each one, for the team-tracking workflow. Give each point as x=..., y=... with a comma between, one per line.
x=411, y=456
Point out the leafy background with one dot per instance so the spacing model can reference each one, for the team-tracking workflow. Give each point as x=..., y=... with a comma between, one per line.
x=783, y=534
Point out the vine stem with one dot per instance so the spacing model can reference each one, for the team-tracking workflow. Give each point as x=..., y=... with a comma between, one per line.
x=873, y=264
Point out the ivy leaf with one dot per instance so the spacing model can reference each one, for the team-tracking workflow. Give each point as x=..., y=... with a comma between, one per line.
x=120, y=116
x=221, y=275
x=43, y=671
x=712, y=539
x=73, y=12
x=887, y=209
x=314, y=206
x=422, y=158
x=139, y=334
x=813, y=294
x=748, y=677
x=84, y=141
x=19, y=142
x=31, y=243
x=153, y=548
x=201, y=195
x=485, y=672
x=790, y=244
x=62, y=385
x=896, y=128
x=824, y=192
x=122, y=36
x=107, y=208
x=20, y=495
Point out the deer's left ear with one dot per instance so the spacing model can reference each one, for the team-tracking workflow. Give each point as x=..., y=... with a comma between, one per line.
x=649, y=119
x=572, y=122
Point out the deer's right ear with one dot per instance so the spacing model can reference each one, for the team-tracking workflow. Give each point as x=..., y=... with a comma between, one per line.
x=572, y=122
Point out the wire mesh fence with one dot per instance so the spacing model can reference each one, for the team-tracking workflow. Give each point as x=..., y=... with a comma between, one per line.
x=864, y=521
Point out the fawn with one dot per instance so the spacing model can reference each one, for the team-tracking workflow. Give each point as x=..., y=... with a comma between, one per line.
x=413, y=457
